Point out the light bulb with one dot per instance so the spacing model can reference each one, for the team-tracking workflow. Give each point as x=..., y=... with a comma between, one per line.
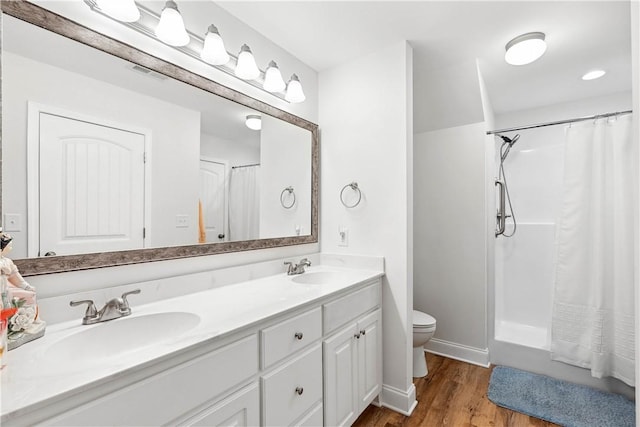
x=273, y=81
x=171, y=29
x=525, y=49
x=246, y=67
x=253, y=122
x=122, y=10
x=213, y=51
x=294, y=90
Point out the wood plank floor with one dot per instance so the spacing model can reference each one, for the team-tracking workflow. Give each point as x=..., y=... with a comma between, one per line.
x=452, y=394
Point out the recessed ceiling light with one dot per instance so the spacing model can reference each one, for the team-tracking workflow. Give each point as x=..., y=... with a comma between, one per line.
x=594, y=74
x=525, y=48
x=253, y=122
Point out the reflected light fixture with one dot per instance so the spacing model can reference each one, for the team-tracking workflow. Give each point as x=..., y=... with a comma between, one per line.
x=253, y=122
x=171, y=29
x=525, y=48
x=594, y=74
x=294, y=90
x=123, y=10
x=273, y=81
x=213, y=51
x=246, y=67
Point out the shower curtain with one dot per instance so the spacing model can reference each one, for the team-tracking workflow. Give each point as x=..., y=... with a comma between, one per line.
x=244, y=203
x=593, y=308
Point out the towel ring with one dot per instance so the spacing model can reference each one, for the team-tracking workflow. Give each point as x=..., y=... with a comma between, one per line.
x=354, y=187
x=282, y=202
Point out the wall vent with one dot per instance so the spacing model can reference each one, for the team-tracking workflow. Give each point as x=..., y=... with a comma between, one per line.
x=148, y=72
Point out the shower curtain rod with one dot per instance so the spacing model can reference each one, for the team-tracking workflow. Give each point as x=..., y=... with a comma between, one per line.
x=245, y=166
x=559, y=122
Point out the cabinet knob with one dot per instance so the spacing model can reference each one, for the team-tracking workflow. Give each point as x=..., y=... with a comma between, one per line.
x=299, y=335
x=299, y=390
x=357, y=335
x=363, y=332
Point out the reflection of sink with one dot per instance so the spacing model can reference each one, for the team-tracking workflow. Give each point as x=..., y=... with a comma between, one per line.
x=118, y=336
x=317, y=277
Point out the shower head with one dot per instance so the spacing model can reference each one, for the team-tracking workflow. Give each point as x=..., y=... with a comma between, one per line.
x=510, y=141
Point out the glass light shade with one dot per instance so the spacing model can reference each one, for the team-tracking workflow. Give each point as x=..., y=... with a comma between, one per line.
x=213, y=51
x=594, y=74
x=122, y=10
x=273, y=81
x=525, y=49
x=246, y=67
x=171, y=29
x=253, y=122
x=294, y=90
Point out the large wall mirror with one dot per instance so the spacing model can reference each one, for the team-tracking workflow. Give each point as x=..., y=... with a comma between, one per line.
x=111, y=156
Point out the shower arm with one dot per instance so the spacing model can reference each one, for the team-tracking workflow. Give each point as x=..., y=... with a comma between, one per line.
x=501, y=215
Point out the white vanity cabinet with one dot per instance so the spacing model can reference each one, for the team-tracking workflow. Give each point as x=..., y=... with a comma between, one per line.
x=313, y=364
x=352, y=355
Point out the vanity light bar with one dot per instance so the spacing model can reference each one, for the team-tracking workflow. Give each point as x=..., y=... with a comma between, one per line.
x=148, y=22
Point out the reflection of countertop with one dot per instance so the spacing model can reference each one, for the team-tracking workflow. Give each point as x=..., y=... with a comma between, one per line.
x=35, y=378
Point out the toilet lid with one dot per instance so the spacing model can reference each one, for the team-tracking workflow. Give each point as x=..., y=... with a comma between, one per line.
x=422, y=319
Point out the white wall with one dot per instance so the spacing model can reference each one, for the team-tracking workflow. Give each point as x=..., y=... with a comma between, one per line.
x=26, y=80
x=366, y=115
x=235, y=34
x=450, y=238
x=284, y=162
x=235, y=152
x=635, y=56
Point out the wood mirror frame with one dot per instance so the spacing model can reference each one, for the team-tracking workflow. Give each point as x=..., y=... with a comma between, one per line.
x=43, y=18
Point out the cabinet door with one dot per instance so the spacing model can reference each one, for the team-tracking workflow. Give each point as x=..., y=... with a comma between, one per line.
x=369, y=358
x=340, y=382
x=241, y=409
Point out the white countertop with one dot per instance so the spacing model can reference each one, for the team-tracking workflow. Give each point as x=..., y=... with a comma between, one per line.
x=35, y=375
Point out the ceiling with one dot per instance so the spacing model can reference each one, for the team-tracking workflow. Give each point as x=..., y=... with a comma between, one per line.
x=448, y=36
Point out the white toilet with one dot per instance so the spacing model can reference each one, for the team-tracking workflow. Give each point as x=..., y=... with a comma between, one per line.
x=423, y=328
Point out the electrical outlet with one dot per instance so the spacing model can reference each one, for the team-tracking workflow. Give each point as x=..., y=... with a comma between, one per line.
x=343, y=236
x=12, y=222
x=182, y=221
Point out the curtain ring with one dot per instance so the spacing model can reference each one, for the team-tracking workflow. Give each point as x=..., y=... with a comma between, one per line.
x=354, y=187
x=282, y=202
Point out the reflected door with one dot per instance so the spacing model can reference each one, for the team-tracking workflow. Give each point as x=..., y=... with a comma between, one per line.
x=213, y=198
x=91, y=187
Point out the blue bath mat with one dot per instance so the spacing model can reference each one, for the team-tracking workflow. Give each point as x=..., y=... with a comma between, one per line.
x=557, y=401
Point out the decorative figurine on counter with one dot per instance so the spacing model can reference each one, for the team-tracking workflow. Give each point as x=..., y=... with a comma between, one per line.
x=24, y=324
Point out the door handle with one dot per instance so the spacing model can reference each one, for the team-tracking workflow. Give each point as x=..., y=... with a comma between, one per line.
x=50, y=253
x=221, y=236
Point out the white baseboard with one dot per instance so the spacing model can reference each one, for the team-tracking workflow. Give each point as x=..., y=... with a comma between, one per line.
x=475, y=356
x=398, y=400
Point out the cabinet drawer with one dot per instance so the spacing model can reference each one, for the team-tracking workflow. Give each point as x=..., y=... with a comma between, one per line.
x=312, y=419
x=163, y=397
x=287, y=337
x=241, y=409
x=292, y=389
x=347, y=308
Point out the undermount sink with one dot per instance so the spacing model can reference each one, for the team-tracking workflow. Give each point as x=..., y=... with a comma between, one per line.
x=317, y=277
x=116, y=337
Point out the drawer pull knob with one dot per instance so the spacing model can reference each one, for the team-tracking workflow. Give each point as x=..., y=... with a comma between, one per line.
x=299, y=335
x=299, y=390
x=357, y=335
x=363, y=332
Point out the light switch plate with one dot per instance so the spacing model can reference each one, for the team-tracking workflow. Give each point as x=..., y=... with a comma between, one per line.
x=343, y=236
x=182, y=221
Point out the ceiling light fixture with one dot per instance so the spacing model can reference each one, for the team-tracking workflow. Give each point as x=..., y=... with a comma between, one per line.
x=294, y=90
x=246, y=67
x=273, y=81
x=253, y=122
x=124, y=10
x=525, y=48
x=213, y=51
x=171, y=29
x=594, y=74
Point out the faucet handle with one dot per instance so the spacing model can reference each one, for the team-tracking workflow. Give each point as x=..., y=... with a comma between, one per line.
x=91, y=308
x=305, y=261
x=290, y=267
x=125, y=303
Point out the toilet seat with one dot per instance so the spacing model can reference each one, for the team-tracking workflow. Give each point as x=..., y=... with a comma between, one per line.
x=423, y=320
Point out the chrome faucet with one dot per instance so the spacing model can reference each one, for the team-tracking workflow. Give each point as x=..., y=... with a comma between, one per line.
x=297, y=268
x=117, y=307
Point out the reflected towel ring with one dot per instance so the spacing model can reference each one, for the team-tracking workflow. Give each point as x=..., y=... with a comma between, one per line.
x=291, y=193
x=354, y=187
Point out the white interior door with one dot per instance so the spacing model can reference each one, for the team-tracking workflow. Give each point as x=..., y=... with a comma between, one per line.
x=91, y=187
x=213, y=198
